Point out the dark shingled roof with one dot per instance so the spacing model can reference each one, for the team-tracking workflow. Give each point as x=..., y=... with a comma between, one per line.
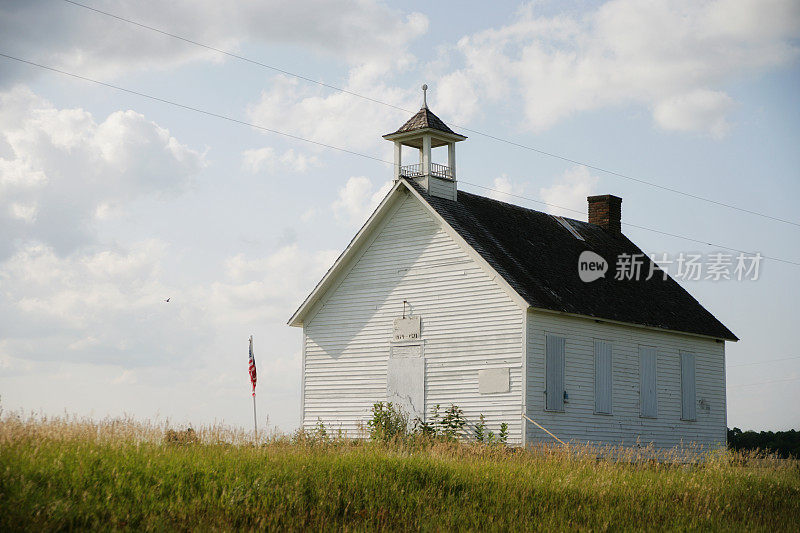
x=538, y=257
x=424, y=119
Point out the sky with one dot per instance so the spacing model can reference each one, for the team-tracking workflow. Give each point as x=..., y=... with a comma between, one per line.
x=111, y=202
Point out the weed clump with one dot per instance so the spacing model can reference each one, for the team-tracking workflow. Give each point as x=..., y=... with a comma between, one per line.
x=390, y=423
x=189, y=436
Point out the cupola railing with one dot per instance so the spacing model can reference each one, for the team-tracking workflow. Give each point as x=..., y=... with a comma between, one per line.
x=415, y=171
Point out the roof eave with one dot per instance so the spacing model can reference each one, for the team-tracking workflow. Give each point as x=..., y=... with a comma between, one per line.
x=600, y=319
x=400, y=136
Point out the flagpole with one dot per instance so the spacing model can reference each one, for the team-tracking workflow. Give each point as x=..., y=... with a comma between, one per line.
x=253, y=382
x=255, y=423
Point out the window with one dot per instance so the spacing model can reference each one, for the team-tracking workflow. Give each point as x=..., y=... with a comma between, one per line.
x=648, y=399
x=602, y=377
x=688, y=394
x=554, y=372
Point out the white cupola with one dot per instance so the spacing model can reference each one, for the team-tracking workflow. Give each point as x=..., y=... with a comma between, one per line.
x=425, y=131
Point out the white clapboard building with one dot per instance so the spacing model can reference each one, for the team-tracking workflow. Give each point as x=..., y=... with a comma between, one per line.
x=446, y=297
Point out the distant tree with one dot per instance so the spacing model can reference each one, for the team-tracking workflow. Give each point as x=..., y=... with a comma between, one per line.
x=784, y=443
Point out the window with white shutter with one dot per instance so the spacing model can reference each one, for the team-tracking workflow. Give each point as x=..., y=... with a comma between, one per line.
x=554, y=372
x=688, y=392
x=602, y=377
x=648, y=398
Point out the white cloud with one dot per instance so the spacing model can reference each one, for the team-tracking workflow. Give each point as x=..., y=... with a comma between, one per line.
x=127, y=377
x=309, y=215
x=266, y=289
x=361, y=32
x=380, y=53
x=504, y=189
x=673, y=57
x=570, y=191
x=25, y=212
x=107, y=307
x=62, y=170
x=337, y=119
x=369, y=38
x=94, y=324
x=266, y=159
x=94, y=304
x=697, y=111
x=358, y=199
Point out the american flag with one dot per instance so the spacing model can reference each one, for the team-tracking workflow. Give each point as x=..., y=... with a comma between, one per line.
x=252, y=366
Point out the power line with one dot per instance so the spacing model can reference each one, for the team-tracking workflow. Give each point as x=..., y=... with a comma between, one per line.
x=196, y=109
x=684, y=237
x=340, y=149
x=521, y=197
x=233, y=55
x=764, y=362
x=677, y=236
x=765, y=382
x=464, y=128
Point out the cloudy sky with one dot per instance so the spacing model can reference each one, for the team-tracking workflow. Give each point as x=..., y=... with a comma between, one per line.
x=111, y=202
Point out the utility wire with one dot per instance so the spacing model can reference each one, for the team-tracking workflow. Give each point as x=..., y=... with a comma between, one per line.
x=464, y=128
x=764, y=362
x=340, y=149
x=521, y=197
x=231, y=54
x=628, y=223
x=677, y=236
x=764, y=382
x=196, y=109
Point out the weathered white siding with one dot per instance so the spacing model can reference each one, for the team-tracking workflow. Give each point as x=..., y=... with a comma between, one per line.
x=469, y=323
x=442, y=188
x=578, y=422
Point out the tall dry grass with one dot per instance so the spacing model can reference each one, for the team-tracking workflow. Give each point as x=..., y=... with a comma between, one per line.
x=71, y=473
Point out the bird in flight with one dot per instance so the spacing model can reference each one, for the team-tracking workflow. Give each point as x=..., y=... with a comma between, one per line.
x=167, y=300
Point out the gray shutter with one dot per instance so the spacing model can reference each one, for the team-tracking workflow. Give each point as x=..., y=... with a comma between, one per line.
x=602, y=377
x=688, y=392
x=554, y=370
x=648, y=399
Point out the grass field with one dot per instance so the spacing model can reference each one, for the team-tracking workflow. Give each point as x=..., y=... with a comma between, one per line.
x=72, y=474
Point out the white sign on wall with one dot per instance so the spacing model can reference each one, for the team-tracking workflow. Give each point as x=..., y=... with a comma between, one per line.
x=493, y=380
x=407, y=328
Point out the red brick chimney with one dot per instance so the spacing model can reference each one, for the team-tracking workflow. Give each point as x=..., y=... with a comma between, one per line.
x=605, y=210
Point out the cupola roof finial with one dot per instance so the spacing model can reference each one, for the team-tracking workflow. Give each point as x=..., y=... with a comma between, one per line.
x=423, y=120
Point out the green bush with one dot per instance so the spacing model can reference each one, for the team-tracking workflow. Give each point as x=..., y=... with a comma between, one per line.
x=480, y=429
x=387, y=423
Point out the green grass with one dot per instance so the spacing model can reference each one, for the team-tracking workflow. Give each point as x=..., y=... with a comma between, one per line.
x=68, y=474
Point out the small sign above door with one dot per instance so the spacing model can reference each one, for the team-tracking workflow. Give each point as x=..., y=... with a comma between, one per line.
x=407, y=328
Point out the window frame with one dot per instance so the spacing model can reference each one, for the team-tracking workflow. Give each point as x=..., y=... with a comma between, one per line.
x=563, y=372
x=681, y=355
x=655, y=382
x=610, y=377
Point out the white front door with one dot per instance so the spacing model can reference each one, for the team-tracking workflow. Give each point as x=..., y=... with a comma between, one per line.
x=405, y=379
